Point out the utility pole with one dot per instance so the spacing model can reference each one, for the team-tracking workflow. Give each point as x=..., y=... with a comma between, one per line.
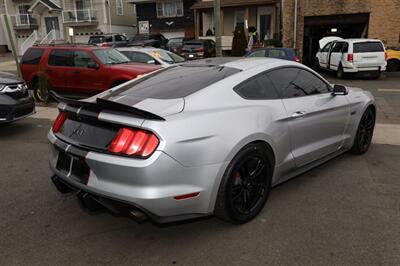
x=11, y=38
x=217, y=25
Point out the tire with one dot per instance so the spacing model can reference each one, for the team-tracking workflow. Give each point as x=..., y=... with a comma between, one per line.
x=340, y=73
x=376, y=75
x=240, y=199
x=41, y=89
x=393, y=65
x=365, y=131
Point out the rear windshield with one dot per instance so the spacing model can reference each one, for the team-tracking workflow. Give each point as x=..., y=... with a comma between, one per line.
x=368, y=47
x=193, y=43
x=32, y=56
x=176, y=82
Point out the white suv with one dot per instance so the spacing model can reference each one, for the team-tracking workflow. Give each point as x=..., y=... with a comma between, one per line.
x=351, y=56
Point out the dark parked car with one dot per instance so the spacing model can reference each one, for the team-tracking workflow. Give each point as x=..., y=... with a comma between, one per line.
x=77, y=70
x=15, y=101
x=175, y=44
x=197, y=49
x=109, y=40
x=154, y=40
x=281, y=53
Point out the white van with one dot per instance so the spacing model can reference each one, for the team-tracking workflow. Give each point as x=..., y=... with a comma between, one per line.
x=351, y=56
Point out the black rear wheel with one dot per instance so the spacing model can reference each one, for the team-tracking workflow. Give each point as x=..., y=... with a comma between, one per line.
x=393, y=65
x=246, y=184
x=340, y=73
x=365, y=132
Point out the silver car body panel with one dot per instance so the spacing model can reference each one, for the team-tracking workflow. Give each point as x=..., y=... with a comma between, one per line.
x=205, y=130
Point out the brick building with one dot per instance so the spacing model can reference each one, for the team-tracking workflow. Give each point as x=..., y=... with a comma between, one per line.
x=346, y=18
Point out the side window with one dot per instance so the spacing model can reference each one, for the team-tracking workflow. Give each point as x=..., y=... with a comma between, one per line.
x=258, y=53
x=345, y=48
x=282, y=80
x=259, y=87
x=60, y=57
x=140, y=57
x=326, y=47
x=276, y=53
x=32, y=56
x=120, y=38
x=82, y=59
x=309, y=83
x=337, y=48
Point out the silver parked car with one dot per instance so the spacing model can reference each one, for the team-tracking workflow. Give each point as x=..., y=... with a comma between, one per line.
x=202, y=138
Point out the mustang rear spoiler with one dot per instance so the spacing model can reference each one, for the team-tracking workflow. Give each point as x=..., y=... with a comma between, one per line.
x=102, y=104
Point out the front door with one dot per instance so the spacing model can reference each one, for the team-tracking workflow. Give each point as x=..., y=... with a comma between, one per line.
x=316, y=119
x=264, y=25
x=52, y=24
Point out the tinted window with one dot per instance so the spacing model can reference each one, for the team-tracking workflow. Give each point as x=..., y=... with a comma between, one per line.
x=337, y=48
x=257, y=88
x=175, y=82
x=82, y=59
x=295, y=82
x=32, y=56
x=60, y=57
x=368, y=47
x=345, y=48
x=100, y=39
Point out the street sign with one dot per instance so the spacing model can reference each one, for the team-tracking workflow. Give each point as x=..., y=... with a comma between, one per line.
x=144, y=27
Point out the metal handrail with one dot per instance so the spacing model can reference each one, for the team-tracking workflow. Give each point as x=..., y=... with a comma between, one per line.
x=29, y=41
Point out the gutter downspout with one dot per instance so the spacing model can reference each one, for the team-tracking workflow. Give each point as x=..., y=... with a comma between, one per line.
x=295, y=25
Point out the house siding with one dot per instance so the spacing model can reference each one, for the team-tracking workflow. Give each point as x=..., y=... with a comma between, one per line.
x=147, y=12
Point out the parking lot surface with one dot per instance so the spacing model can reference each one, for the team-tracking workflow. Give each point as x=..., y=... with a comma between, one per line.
x=345, y=212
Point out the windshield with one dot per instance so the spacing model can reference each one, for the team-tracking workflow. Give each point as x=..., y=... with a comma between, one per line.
x=167, y=57
x=111, y=56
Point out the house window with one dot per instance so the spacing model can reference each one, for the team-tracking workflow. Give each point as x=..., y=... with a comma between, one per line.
x=120, y=7
x=239, y=19
x=170, y=8
x=23, y=16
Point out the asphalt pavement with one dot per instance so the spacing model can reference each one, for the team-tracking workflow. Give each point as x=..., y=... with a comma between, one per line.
x=345, y=212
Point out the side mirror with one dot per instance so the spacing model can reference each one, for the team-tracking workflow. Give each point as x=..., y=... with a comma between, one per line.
x=339, y=90
x=93, y=65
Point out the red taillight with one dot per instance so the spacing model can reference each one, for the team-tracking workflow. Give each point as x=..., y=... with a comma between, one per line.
x=297, y=59
x=62, y=116
x=134, y=142
x=200, y=50
x=350, y=57
x=105, y=44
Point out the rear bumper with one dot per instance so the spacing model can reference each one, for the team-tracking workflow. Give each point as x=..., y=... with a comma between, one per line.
x=12, y=110
x=147, y=185
x=350, y=68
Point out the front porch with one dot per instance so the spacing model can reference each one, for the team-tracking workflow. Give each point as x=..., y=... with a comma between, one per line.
x=262, y=14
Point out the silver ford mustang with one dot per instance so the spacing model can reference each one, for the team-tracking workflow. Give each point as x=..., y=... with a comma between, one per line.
x=202, y=138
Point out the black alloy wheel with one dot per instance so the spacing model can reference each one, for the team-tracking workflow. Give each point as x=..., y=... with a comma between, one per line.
x=365, y=132
x=246, y=185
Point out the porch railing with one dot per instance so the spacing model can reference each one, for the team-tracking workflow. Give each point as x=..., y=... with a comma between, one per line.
x=51, y=37
x=31, y=40
x=77, y=16
x=24, y=19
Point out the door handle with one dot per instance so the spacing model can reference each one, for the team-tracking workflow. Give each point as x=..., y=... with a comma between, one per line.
x=76, y=72
x=299, y=114
x=48, y=70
